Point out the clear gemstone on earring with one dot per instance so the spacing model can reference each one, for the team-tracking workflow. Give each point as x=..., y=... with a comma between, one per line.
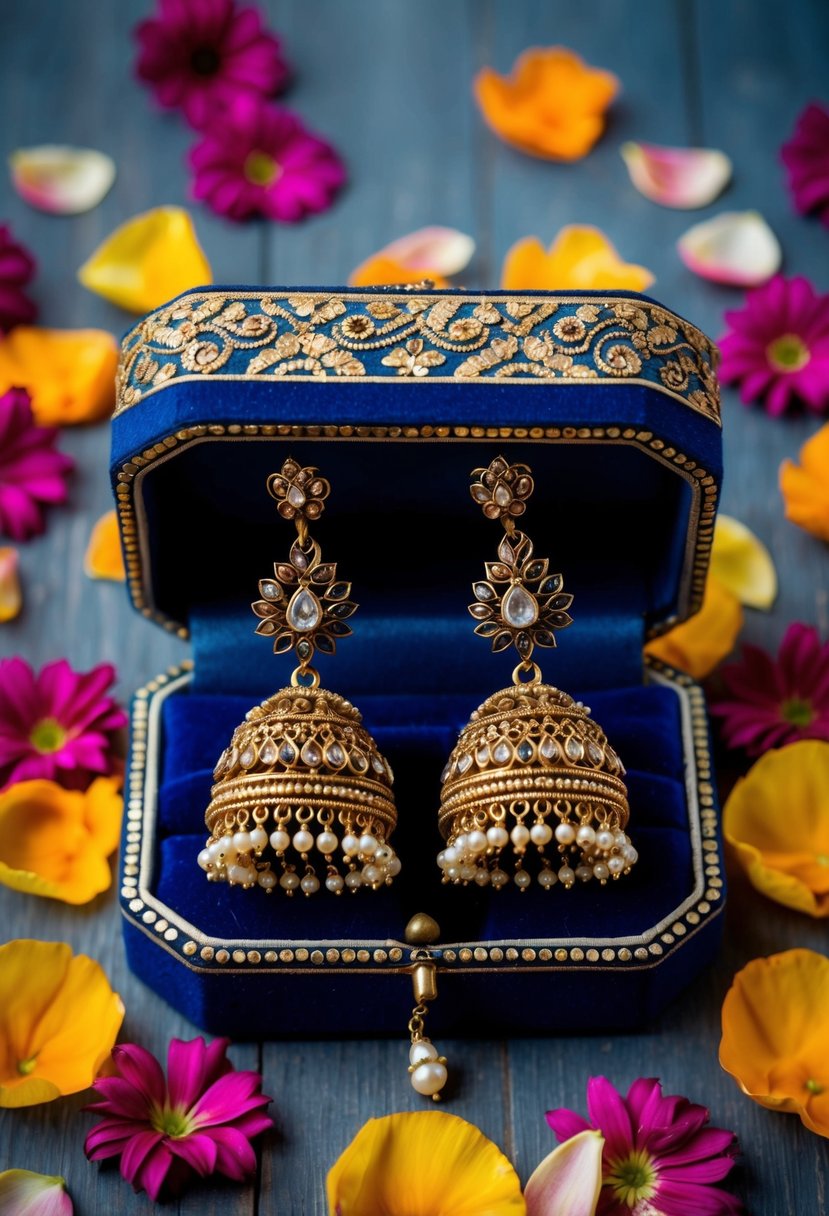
x=304, y=611
x=464, y=762
x=482, y=756
x=334, y=756
x=483, y=591
x=594, y=752
x=378, y=765
x=502, y=752
x=247, y=757
x=549, y=749
x=502, y=495
x=574, y=748
x=518, y=608
x=268, y=752
x=270, y=591
x=311, y=754
x=295, y=497
x=359, y=762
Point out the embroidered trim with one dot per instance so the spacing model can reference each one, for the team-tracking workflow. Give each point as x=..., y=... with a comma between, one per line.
x=444, y=337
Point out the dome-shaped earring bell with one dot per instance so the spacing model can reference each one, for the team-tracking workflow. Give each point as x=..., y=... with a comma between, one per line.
x=302, y=796
x=531, y=774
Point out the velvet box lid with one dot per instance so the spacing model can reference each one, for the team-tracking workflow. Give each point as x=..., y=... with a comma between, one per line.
x=396, y=395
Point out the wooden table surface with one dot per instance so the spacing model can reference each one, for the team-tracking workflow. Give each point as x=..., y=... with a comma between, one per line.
x=389, y=82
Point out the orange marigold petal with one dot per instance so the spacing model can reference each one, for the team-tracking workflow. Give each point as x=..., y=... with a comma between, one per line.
x=380, y=271
x=805, y=487
x=104, y=557
x=700, y=643
x=581, y=258
x=68, y=373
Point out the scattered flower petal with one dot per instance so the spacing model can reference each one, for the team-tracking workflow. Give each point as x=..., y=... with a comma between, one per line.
x=659, y=1153
x=259, y=159
x=700, y=643
x=772, y=702
x=58, y=1021
x=580, y=258
x=148, y=260
x=69, y=374
x=568, y=1181
x=32, y=473
x=11, y=598
x=553, y=105
x=785, y=855
x=198, y=57
x=420, y=1163
x=58, y=724
x=55, y=842
x=684, y=178
x=736, y=247
x=428, y=253
x=104, y=558
x=775, y=1034
x=62, y=180
x=199, y=1120
x=17, y=267
x=743, y=564
x=806, y=157
x=778, y=347
x=23, y=1193
x=805, y=486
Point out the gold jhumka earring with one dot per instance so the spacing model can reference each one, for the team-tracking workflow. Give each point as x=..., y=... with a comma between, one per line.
x=531, y=770
x=302, y=795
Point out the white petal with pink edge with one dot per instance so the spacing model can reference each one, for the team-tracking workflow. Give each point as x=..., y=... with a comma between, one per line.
x=684, y=178
x=736, y=248
x=23, y=1193
x=60, y=179
x=569, y=1179
x=443, y=250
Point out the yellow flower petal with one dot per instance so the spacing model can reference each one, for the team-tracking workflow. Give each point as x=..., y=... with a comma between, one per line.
x=104, y=558
x=569, y=1180
x=743, y=564
x=580, y=258
x=381, y=270
x=421, y=1163
x=805, y=487
x=58, y=1021
x=775, y=1034
x=777, y=820
x=11, y=598
x=147, y=261
x=55, y=842
x=68, y=373
x=699, y=644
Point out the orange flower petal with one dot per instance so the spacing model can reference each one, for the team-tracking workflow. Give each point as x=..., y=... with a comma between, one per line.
x=11, y=598
x=580, y=258
x=699, y=644
x=55, y=842
x=59, y=1019
x=775, y=1034
x=777, y=820
x=104, y=558
x=805, y=487
x=380, y=270
x=68, y=373
x=553, y=105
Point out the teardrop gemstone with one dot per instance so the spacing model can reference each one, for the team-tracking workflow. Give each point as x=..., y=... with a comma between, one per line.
x=518, y=608
x=268, y=752
x=304, y=611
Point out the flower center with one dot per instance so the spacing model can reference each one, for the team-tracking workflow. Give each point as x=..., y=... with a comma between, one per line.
x=27, y=1067
x=799, y=713
x=788, y=353
x=172, y=1122
x=261, y=169
x=47, y=736
x=632, y=1178
x=205, y=61
x=814, y=1087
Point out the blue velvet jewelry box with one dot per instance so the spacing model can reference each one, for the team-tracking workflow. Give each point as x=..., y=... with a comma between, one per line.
x=396, y=395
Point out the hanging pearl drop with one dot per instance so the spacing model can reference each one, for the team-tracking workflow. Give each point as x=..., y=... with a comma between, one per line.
x=429, y=1078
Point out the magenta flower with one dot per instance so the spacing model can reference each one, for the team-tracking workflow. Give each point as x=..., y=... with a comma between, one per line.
x=771, y=702
x=779, y=347
x=32, y=473
x=259, y=159
x=200, y=1120
x=806, y=156
x=16, y=269
x=56, y=725
x=660, y=1157
x=200, y=54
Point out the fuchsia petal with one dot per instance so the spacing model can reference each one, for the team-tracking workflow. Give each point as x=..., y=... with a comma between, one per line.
x=137, y=1151
x=566, y=1123
x=690, y=1199
x=232, y=1095
x=120, y=1097
x=235, y=1156
x=199, y=1151
x=142, y=1071
x=608, y=1112
x=194, y=1066
x=156, y=1170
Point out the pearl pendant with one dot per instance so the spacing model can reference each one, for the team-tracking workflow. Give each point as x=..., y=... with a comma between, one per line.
x=427, y=1069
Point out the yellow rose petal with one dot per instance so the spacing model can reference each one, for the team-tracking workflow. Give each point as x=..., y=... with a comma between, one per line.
x=68, y=373
x=743, y=564
x=104, y=558
x=11, y=597
x=699, y=644
x=147, y=261
x=580, y=258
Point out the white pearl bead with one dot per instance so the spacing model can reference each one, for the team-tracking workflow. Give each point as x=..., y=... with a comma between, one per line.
x=522, y=879
x=259, y=838
x=238, y=874
x=215, y=851
x=605, y=840
x=226, y=849
x=477, y=842
x=601, y=871
x=241, y=842
x=289, y=881
x=429, y=1078
x=422, y=1050
x=353, y=880
x=498, y=878
x=497, y=837
x=481, y=876
x=621, y=839
x=453, y=872
x=547, y=879
x=310, y=884
x=334, y=883
x=451, y=855
x=519, y=836
x=383, y=855
x=468, y=872
x=566, y=876
x=267, y=880
x=630, y=855
x=280, y=841
x=368, y=845
x=372, y=874
x=461, y=845
x=615, y=864
x=441, y=859
x=565, y=833
x=205, y=859
x=394, y=867
x=584, y=873
x=350, y=844
x=585, y=835
x=303, y=841
x=541, y=833
x=327, y=842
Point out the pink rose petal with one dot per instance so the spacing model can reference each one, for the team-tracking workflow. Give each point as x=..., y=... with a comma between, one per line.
x=443, y=250
x=735, y=247
x=23, y=1193
x=569, y=1179
x=684, y=178
x=61, y=180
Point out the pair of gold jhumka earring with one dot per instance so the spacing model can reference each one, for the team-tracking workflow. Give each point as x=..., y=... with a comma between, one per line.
x=303, y=797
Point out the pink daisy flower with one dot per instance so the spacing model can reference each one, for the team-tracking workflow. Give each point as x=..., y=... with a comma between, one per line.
x=17, y=267
x=32, y=473
x=806, y=156
x=660, y=1157
x=778, y=349
x=198, y=55
x=199, y=1120
x=259, y=159
x=56, y=725
x=771, y=702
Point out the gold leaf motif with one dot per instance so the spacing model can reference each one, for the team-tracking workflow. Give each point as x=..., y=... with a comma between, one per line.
x=487, y=313
x=344, y=363
x=383, y=310
x=442, y=313
x=166, y=336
